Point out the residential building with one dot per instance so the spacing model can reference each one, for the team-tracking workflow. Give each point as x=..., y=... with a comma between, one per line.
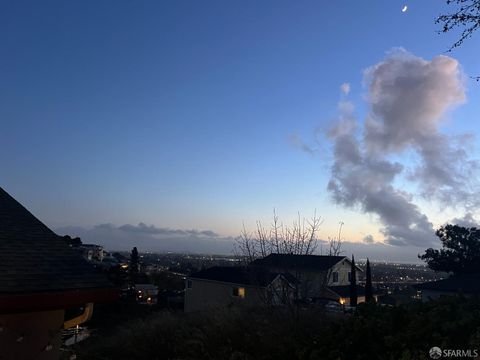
x=313, y=272
x=466, y=284
x=40, y=277
x=93, y=252
x=223, y=286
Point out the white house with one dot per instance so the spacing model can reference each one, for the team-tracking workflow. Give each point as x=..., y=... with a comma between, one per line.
x=313, y=272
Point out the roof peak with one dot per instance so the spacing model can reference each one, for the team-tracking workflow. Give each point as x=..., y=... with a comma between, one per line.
x=35, y=259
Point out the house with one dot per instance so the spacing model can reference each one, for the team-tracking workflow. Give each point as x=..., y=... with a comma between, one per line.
x=313, y=272
x=93, y=252
x=41, y=276
x=222, y=286
x=467, y=284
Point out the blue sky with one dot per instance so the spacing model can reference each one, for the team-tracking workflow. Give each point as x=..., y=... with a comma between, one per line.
x=180, y=114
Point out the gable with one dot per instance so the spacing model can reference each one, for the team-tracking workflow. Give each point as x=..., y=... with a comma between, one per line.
x=346, y=264
x=34, y=259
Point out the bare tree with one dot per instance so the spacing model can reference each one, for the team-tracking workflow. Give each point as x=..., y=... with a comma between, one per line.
x=299, y=238
x=334, y=249
x=335, y=243
x=466, y=16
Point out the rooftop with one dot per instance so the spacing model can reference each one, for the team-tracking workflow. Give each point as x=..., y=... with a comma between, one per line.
x=239, y=275
x=33, y=259
x=316, y=262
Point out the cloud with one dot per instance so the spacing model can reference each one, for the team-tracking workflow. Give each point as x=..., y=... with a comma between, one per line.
x=297, y=142
x=151, y=238
x=408, y=99
x=366, y=184
x=377, y=251
x=368, y=239
x=445, y=172
x=468, y=220
x=152, y=230
x=345, y=88
x=114, y=239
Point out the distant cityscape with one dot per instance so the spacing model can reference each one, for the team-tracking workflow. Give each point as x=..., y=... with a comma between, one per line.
x=393, y=280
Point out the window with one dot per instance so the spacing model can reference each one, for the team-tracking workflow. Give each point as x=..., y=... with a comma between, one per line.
x=349, y=276
x=238, y=292
x=335, y=277
x=189, y=284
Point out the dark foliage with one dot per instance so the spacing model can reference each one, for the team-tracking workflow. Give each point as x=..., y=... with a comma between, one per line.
x=460, y=251
x=368, y=284
x=166, y=280
x=133, y=266
x=374, y=332
x=117, y=275
x=353, y=284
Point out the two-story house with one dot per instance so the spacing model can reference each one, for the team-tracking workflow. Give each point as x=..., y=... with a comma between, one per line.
x=315, y=274
x=41, y=277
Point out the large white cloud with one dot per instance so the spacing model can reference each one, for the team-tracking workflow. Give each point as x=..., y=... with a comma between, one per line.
x=409, y=98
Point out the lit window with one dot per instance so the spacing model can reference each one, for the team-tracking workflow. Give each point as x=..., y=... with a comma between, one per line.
x=335, y=277
x=238, y=292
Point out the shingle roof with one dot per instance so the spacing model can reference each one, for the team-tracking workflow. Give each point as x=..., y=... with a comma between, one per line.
x=468, y=283
x=288, y=261
x=34, y=259
x=239, y=275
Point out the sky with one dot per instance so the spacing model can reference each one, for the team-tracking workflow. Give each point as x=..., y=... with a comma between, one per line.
x=168, y=125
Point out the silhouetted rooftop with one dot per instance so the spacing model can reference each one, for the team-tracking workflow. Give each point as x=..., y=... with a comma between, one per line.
x=239, y=275
x=287, y=261
x=33, y=259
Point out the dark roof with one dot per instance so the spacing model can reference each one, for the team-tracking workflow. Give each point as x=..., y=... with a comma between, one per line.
x=467, y=283
x=239, y=275
x=34, y=259
x=288, y=261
